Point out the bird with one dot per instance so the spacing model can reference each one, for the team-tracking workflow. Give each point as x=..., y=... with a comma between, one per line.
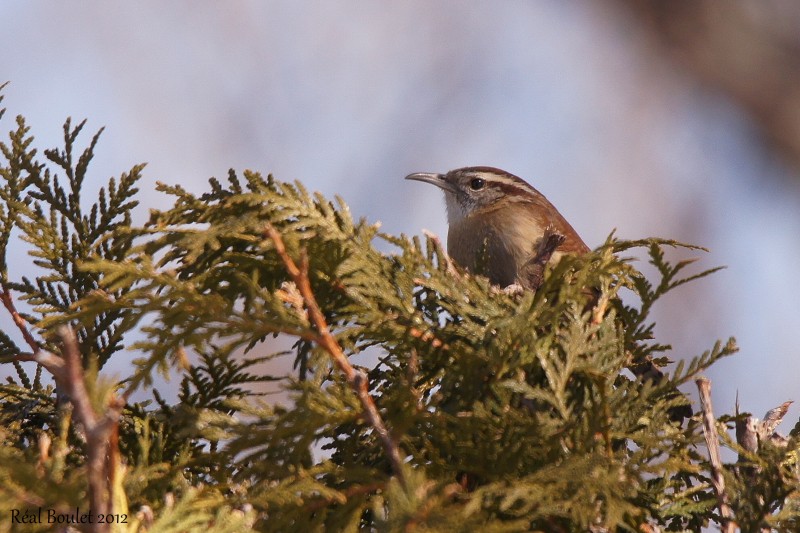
x=498, y=224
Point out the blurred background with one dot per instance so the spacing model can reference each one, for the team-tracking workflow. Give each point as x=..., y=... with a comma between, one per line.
x=675, y=119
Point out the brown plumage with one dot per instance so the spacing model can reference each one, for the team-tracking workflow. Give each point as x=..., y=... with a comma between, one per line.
x=497, y=223
x=502, y=227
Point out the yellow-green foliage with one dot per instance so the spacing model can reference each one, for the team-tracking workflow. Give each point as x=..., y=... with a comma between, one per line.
x=512, y=412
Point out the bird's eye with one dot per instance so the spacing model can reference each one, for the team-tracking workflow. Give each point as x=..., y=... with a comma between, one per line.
x=476, y=184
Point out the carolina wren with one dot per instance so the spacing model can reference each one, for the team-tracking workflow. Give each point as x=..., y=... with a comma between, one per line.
x=497, y=218
x=497, y=223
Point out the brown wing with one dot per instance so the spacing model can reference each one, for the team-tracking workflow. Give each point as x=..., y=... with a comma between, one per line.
x=573, y=244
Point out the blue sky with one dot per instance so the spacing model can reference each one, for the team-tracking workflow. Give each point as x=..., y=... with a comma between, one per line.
x=349, y=97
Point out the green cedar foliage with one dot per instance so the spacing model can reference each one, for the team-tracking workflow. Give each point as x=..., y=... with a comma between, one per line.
x=512, y=412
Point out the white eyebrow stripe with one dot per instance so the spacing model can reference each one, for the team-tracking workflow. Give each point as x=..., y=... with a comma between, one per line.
x=506, y=180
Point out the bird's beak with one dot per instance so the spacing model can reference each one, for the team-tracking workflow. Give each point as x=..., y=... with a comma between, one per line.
x=433, y=179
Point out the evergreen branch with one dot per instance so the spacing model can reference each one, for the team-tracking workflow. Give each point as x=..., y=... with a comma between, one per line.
x=712, y=441
x=621, y=246
x=357, y=380
x=521, y=394
x=343, y=496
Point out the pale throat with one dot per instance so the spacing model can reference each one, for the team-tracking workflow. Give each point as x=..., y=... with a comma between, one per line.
x=456, y=211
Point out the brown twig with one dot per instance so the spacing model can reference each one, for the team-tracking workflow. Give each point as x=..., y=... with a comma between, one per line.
x=102, y=446
x=712, y=442
x=344, y=495
x=427, y=336
x=356, y=378
x=51, y=363
x=68, y=373
x=599, y=310
x=98, y=427
x=20, y=322
x=448, y=261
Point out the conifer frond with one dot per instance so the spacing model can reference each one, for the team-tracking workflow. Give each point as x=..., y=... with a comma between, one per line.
x=498, y=411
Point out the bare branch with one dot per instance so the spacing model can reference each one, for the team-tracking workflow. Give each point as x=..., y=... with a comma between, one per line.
x=449, y=266
x=773, y=418
x=74, y=384
x=20, y=322
x=712, y=441
x=99, y=428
